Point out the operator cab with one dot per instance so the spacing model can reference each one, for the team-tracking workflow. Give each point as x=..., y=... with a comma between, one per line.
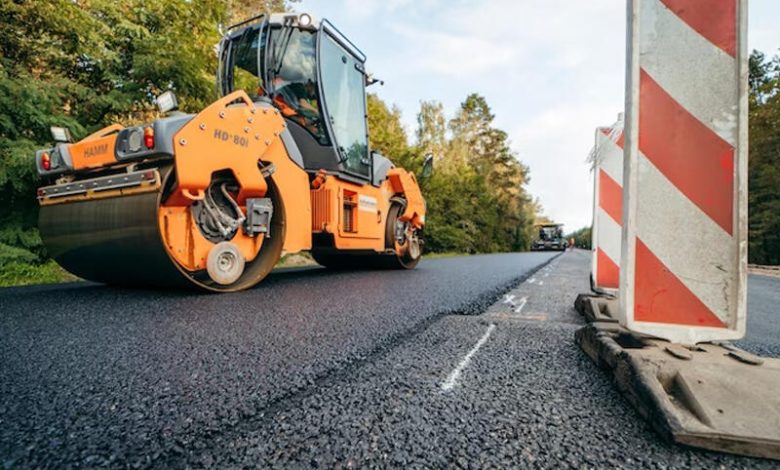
x=315, y=77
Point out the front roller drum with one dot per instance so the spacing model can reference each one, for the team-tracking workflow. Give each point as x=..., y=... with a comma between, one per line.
x=118, y=240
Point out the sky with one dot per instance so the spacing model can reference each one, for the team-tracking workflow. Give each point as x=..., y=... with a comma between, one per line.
x=551, y=70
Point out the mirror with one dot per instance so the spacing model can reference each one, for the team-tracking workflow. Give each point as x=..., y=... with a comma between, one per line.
x=167, y=102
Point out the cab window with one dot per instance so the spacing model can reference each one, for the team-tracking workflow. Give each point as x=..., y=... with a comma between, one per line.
x=245, y=51
x=293, y=75
x=343, y=85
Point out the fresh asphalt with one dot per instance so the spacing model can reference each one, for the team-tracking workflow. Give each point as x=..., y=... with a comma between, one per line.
x=763, y=321
x=428, y=368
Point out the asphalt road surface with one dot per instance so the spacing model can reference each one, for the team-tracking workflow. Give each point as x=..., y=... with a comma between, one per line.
x=427, y=368
x=763, y=322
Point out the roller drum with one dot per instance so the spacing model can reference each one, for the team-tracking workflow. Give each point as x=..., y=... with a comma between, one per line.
x=117, y=241
x=114, y=240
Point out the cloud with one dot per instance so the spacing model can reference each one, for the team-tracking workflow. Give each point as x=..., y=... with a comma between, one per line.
x=453, y=54
x=364, y=9
x=557, y=146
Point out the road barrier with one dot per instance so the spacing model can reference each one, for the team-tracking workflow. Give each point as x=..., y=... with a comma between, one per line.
x=607, y=157
x=683, y=264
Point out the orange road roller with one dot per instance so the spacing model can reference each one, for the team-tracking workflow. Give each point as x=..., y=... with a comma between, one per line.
x=279, y=164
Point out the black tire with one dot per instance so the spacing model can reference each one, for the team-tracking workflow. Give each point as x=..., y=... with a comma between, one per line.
x=396, y=261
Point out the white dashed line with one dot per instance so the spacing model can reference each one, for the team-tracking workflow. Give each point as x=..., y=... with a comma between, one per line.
x=519, y=308
x=455, y=374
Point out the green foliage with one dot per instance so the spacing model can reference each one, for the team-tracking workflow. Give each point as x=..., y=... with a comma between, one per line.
x=20, y=273
x=387, y=135
x=476, y=198
x=582, y=238
x=764, y=162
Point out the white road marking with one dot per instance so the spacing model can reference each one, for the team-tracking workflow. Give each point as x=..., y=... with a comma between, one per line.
x=532, y=280
x=519, y=308
x=455, y=374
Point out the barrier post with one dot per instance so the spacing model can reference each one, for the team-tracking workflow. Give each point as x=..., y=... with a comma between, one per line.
x=684, y=258
x=607, y=208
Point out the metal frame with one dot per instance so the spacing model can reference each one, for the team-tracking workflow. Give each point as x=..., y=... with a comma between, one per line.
x=327, y=28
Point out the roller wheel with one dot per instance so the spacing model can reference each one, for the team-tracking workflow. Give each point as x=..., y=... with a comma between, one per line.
x=407, y=252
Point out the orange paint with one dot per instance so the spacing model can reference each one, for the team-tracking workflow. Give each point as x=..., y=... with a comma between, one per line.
x=716, y=20
x=611, y=197
x=404, y=182
x=692, y=157
x=608, y=274
x=661, y=297
x=93, y=152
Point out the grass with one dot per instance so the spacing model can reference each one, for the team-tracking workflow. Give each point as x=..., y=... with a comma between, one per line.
x=21, y=274
x=296, y=260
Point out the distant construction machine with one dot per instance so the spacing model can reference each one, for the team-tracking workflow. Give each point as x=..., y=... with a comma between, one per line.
x=550, y=238
x=281, y=163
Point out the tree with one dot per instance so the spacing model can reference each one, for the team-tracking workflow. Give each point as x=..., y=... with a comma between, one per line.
x=387, y=135
x=764, y=160
x=241, y=10
x=582, y=238
x=477, y=201
x=432, y=129
x=480, y=145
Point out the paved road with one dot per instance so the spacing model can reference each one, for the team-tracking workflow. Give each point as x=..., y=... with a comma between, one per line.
x=763, y=325
x=92, y=374
x=316, y=369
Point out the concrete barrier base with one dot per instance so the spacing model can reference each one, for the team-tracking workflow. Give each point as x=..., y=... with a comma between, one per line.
x=713, y=396
x=597, y=307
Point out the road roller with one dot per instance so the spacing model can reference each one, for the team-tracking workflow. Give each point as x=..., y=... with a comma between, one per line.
x=280, y=163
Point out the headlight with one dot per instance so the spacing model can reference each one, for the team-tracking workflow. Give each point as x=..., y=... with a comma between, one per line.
x=61, y=134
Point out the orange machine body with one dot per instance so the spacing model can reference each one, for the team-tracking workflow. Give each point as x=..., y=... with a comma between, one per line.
x=95, y=150
x=239, y=138
x=236, y=135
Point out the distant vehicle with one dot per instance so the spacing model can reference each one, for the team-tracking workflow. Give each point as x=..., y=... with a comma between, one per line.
x=550, y=238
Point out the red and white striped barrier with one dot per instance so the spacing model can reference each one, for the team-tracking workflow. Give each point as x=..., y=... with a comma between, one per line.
x=683, y=265
x=608, y=207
